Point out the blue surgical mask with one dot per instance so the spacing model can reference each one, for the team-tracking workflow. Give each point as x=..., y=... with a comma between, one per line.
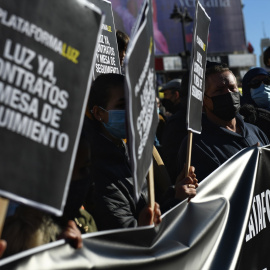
x=116, y=125
x=261, y=96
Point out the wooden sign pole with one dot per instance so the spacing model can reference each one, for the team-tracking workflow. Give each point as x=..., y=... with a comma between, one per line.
x=151, y=187
x=189, y=148
x=3, y=210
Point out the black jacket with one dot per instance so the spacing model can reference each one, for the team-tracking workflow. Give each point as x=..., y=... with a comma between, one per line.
x=257, y=116
x=113, y=205
x=216, y=144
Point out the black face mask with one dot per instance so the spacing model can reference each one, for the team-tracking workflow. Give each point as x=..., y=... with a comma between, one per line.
x=226, y=106
x=168, y=104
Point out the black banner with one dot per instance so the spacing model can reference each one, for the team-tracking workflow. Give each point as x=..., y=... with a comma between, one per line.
x=197, y=72
x=46, y=53
x=213, y=231
x=107, y=57
x=254, y=251
x=141, y=96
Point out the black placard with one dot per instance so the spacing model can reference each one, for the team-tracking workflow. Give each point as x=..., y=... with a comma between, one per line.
x=46, y=53
x=107, y=57
x=197, y=72
x=141, y=96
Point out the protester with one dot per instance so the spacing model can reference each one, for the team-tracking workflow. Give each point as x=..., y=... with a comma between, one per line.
x=175, y=129
x=172, y=96
x=29, y=228
x=224, y=132
x=104, y=128
x=256, y=99
x=122, y=43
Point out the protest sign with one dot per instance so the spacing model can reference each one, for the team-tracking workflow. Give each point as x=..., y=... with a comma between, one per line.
x=107, y=57
x=197, y=72
x=141, y=96
x=213, y=231
x=46, y=53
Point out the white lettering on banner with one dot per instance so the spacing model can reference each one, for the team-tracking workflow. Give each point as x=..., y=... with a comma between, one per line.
x=105, y=61
x=200, y=43
x=143, y=74
x=46, y=68
x=39, y=35
x=198, y=75
x=21, y=92
x=106, y=27
x=144, y=121
x=206, y=3
x=20, y=56
x=196, y=93
x=32, y=129
x=148, y=99
x=260, y=210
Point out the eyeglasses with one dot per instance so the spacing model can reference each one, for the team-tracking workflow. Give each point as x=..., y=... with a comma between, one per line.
x=256, y=83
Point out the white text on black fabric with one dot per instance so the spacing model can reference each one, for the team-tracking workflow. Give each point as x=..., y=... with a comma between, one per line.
x=260, y=214
x=31, y=104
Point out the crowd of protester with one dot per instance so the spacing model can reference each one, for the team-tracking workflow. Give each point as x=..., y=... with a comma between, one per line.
x=101, y=190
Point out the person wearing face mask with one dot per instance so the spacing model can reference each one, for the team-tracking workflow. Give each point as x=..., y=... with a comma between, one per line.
x=256, y=99
x=224, y=133
x=111, y=200
x=172, y=96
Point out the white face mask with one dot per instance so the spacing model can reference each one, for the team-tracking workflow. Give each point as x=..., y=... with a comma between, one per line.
x=261, y=96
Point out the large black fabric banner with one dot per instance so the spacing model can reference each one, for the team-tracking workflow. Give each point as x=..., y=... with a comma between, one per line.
x=197, y=71
x=46, y=53
x=141, y=96
x=226, y=226
x=107, y=57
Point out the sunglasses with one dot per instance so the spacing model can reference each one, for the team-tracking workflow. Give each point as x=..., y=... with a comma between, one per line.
x=256, y=83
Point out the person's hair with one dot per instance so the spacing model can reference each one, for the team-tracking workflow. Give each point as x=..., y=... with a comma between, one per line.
x=218, y=68
x=122, y=40
x=101, y=89
x=214, y=68
x=266, y=57
x=28, y=228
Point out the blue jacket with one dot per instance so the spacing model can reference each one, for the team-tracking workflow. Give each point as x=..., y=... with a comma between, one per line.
x=216, y=144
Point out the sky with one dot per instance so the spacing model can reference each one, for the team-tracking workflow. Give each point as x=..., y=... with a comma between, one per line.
x=257, y=23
